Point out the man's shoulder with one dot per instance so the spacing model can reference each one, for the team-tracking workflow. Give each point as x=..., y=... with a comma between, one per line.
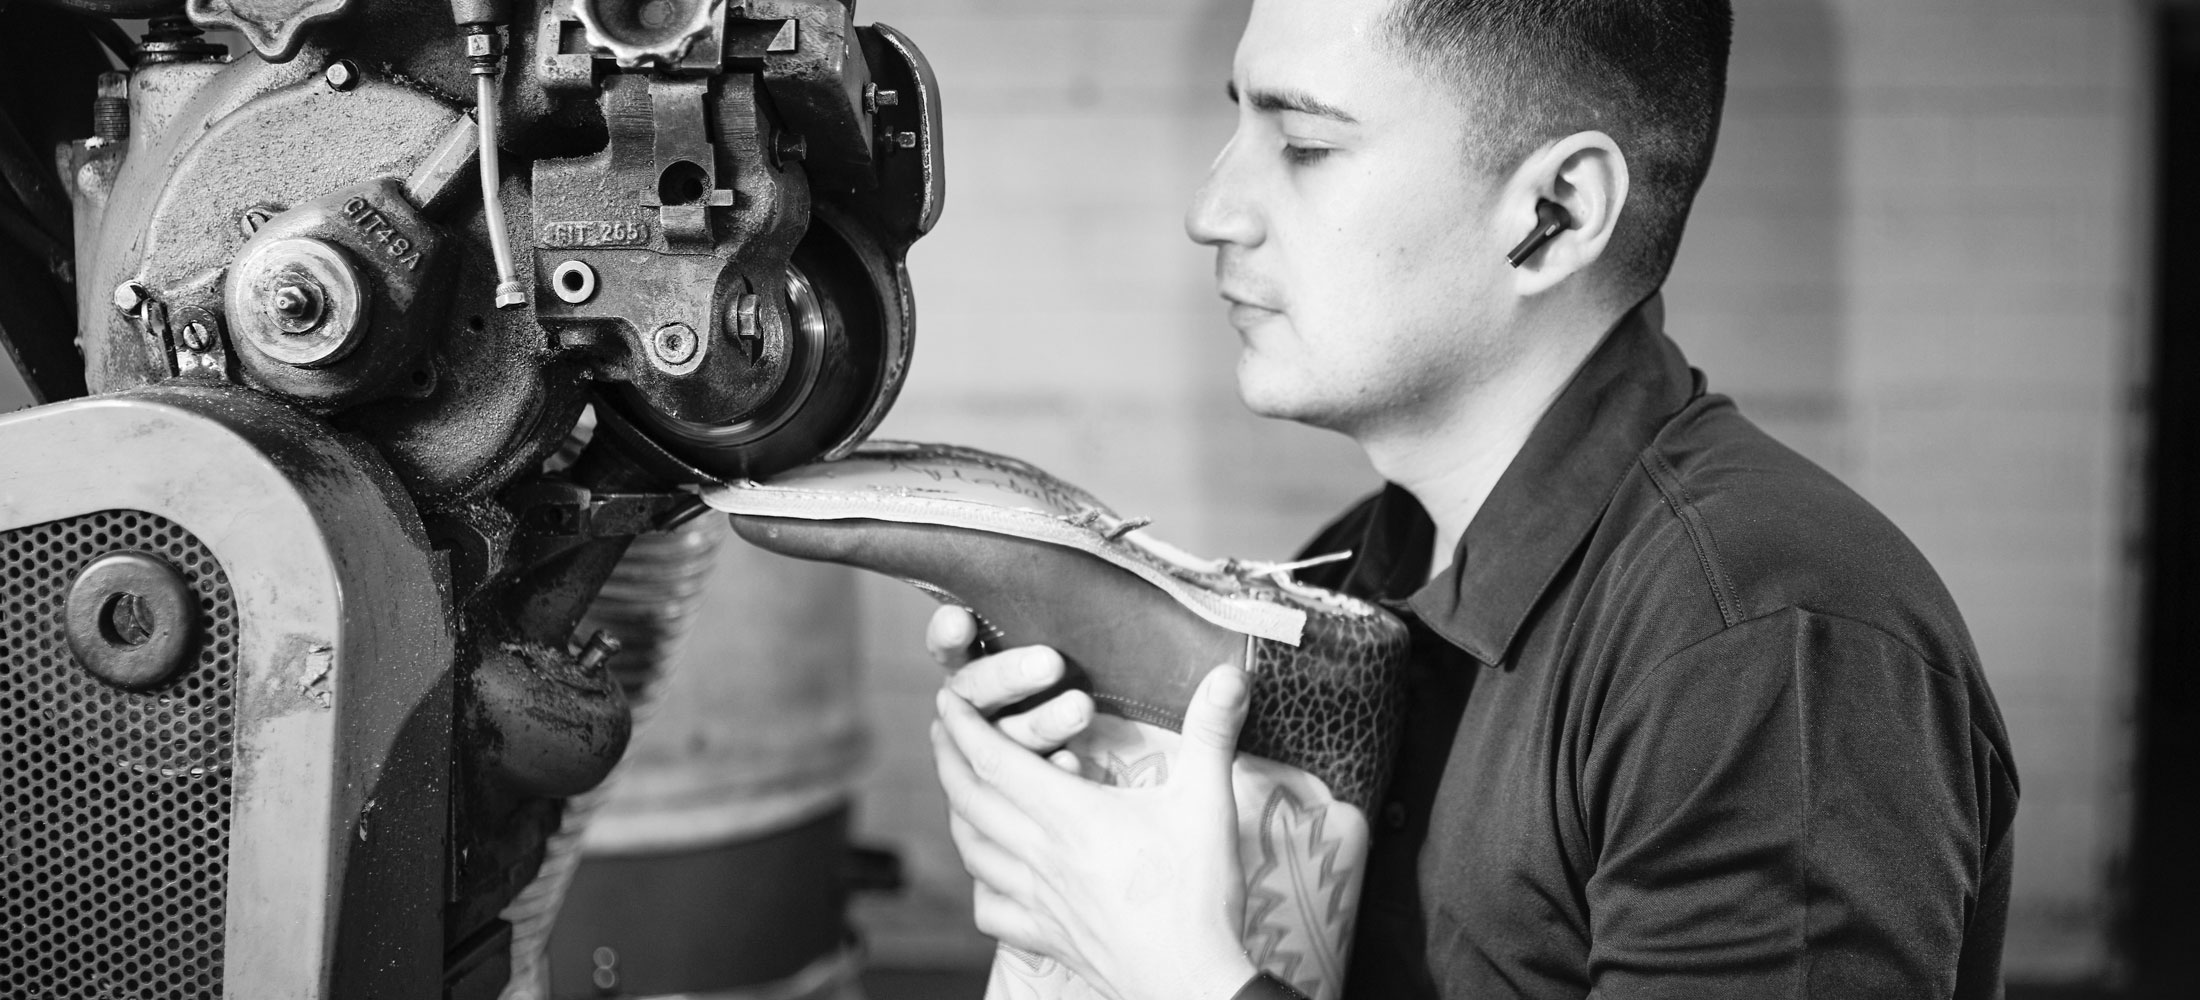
x=1732, y=526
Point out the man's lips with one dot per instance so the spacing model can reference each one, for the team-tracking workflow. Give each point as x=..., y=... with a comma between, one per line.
x=1245, y=315
x=1246, y=310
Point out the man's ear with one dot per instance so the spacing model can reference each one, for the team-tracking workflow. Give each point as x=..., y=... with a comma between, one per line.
x=1585, y=174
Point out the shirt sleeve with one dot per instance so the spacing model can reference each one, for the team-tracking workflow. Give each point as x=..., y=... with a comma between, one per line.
x=1789, y=808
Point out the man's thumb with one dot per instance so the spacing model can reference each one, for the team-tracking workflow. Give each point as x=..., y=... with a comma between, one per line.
x=1212, y=721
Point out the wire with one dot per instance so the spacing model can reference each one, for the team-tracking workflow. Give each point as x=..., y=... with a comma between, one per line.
x=115, y=39
x=33, y=184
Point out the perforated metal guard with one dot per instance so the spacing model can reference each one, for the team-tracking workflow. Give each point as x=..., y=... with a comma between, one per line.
x=114, y=806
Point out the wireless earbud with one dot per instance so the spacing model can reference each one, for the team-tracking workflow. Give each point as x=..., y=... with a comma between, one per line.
x=1551, y=219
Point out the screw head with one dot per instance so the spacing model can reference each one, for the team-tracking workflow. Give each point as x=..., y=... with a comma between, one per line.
x=342, y=74
x=251, y=219
x=196, y=336
x=674, y=344
x=129, y=296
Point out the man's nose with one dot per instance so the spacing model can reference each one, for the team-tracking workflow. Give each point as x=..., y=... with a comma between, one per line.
x=1221, y=211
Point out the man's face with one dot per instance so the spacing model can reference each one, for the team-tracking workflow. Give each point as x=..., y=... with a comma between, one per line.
x=1353, y=240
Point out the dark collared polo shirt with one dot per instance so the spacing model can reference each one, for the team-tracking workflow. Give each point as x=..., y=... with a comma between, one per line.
x=1690, y=719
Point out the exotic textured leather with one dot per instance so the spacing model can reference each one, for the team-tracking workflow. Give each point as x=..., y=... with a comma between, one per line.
x=1330, y=705
x=1266, y=986
x=1139, y=624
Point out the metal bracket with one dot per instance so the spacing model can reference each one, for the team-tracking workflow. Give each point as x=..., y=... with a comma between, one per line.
x=687, y=163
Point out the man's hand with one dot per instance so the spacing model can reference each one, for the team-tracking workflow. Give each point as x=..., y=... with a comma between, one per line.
x=1137, y=890
x=995, y=682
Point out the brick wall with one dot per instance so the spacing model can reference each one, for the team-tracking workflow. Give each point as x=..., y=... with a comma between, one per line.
x=1919, y=259
x=1916, y=261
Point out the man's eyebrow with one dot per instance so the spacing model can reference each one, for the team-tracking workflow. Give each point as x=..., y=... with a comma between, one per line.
x=1290, y=100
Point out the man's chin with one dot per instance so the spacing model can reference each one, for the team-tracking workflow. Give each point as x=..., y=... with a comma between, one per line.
x=1280, y=399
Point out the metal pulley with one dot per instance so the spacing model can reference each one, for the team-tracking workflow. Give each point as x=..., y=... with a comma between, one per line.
x=843, y=357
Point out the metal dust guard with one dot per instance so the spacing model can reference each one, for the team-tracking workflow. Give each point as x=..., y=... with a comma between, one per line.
x=204, y=815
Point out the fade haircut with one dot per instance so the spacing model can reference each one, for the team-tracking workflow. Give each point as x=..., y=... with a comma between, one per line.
x=1649, y=73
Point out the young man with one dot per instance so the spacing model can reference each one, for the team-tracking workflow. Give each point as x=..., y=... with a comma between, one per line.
x=1690, y=719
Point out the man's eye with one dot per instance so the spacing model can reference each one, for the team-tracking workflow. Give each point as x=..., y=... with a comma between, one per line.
x=1300, y=156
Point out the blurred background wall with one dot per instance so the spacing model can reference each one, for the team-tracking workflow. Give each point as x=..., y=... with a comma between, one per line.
x=1921, y=259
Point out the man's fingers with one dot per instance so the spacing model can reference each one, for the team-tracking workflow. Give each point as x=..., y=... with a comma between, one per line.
x=1211, y=724
x=986, y=810
x=1000, y=918
x=995, y=682
x=951, y=635
x=1050, y=725
x=995, y=760
x=987, y=862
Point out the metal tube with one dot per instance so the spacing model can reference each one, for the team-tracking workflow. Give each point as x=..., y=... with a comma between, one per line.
x=509, y=292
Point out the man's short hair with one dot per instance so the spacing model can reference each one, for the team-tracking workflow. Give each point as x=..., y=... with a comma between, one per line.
x=1649, y=73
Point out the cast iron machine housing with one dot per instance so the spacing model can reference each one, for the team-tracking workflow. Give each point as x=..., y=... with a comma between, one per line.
x=290, y=692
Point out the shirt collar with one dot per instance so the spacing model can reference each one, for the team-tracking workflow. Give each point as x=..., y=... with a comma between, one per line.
x=1556, y=489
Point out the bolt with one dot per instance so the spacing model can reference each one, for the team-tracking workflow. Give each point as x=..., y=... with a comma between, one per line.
x=196, y=337
x=875, y=98
x=905, y=140
x=790, y=147
x=747, y=326
x=674, y=344
x=111, y=107
x=298, y=306
x=601, y=646
x=129, y=296
x=341, y=74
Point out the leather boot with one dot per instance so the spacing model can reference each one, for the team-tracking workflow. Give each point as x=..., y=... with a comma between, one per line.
x=1139, y=623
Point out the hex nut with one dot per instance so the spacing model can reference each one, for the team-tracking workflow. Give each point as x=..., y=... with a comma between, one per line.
x=298, y=301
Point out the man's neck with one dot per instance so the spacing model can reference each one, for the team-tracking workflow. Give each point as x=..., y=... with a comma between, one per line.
x=1452, y=462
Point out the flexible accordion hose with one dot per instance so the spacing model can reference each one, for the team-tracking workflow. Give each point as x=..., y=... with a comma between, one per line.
x=648, y=603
